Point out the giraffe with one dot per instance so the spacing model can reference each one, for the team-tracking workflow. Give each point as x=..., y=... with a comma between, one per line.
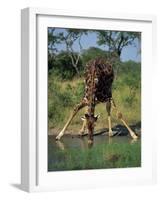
x=99, y=76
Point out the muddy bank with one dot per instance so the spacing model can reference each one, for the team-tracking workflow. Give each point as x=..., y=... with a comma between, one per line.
x=118, y=130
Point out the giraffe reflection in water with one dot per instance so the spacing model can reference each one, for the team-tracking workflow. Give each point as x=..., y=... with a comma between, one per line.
x=69, y=142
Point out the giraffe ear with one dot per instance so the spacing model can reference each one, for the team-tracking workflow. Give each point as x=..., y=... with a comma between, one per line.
x=97, y=116
x=83, y=118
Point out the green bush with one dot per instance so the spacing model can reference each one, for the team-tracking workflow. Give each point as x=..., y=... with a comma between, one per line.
x=62, y=66
x=79, y=91
x=92, y=53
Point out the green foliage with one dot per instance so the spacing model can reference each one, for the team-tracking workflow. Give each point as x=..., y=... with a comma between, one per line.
x=116, y=40
x=62, y=66
x=78, y=92
x=68, y=63
x=62, y=96
x=91, y=53
x=56, y=102
x=51, y=59
x=133, y=81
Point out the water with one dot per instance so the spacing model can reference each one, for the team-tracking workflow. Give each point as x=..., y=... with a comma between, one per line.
x=74, y=153
x=69, y=142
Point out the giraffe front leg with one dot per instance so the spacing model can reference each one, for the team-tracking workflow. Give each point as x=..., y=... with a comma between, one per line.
x=120, y=116
x=108, y=108
x=82, y=130
x=76, y=109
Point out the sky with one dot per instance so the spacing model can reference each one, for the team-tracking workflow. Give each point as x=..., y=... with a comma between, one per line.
x=129, y=52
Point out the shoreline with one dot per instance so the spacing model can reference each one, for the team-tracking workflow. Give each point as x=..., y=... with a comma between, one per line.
x=117, y=130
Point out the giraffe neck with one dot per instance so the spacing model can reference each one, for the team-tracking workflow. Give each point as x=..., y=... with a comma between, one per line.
x=91, y=100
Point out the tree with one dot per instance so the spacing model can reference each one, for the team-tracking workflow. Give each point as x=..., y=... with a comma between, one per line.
x=69, y=37
x=63, y=66
x=116, y=40
x=53, y=40
x=93, y=52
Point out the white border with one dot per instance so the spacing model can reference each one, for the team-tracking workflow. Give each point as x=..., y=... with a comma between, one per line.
x=34, y=174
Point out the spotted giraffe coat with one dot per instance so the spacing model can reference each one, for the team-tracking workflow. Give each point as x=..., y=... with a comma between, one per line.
x=99, y=76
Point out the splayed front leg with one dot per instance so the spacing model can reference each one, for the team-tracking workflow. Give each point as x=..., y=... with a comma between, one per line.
x=83, y=129
x=76, y=109
x=61, y=134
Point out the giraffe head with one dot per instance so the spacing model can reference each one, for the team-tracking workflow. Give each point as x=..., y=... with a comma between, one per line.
x=90, y=121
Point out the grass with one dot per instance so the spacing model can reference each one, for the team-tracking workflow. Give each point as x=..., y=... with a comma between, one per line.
x=101, y=156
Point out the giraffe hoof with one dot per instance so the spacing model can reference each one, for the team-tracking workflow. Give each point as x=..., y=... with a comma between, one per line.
x=81, y=133
x=58, y=137
x=110, y=133
x=133, y=135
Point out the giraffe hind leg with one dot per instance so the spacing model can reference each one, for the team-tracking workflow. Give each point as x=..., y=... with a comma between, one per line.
x=120, y=117
x=108, y=108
